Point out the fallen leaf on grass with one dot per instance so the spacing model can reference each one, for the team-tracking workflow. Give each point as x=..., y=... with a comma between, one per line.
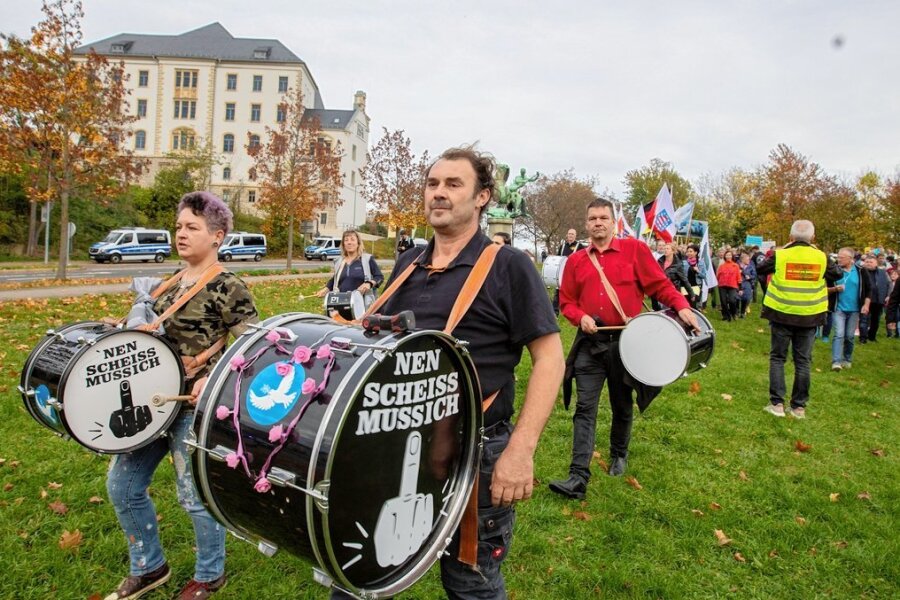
x=95, y=500
x=739, y=557
x=715, y=506
x=800, y=520
x=876, y=415
x=802, y=446
x=2, y=461
x=813, y=551
x=69, y=540
x=718, y=451
x=697, y=513
x=818, y=370
x=14, y=463
x=596, y=454
x=43, y=493
x=723, y=539
x=95, y=597
x=54, y=486
x=884, y=383
x=726, y=397
x=633, y=483
x=877, y=452
x=841, y=545
x=603, y=464
x=737, y=346
x=8, y=487
x=743, y=476
x=58, y=507
x=834, y=497
x=773, y=553
x=566, y=511
x=581, y=515
x=694, y=388
x=760, y=331
x=864, y=496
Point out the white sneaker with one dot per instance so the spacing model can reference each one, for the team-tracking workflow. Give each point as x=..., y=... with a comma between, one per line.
x=846, y=365
x=775, y=409
x=836, y=366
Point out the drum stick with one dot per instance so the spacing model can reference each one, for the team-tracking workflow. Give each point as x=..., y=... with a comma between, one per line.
x=611, y=328
x=161, y=399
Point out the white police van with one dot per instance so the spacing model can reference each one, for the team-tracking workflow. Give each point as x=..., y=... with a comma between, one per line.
x=242, y=245
x=133, y=243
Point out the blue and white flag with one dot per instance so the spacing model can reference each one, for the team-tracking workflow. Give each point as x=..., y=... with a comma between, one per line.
x=683, y=218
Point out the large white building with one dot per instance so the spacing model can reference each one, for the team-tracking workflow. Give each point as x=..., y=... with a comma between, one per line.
x=207, y=85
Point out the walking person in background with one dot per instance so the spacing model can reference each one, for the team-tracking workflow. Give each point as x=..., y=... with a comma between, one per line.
x=569, y=246
x=715, y=294
x=748, y=283
x=851, y=300
x=729, y=276
x=502, y=238
x=795, y=305
x=892, y=308
x=674, y=268
x=403, y=244
x=879, y=285
x=696, y=272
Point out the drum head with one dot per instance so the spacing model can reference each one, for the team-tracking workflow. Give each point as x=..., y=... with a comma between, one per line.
x=106, y=391
x=655, y=348
x=552, y=271
x=402, y=465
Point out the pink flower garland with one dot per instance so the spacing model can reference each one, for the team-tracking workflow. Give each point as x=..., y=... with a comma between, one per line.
x=278, y=434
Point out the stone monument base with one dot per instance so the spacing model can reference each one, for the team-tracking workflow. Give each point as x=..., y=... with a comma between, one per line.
x=499, y=224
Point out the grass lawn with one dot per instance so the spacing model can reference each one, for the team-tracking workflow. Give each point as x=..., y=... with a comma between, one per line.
x=812, y=507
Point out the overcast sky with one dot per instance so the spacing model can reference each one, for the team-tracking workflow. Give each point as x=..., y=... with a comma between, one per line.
x=599, y=86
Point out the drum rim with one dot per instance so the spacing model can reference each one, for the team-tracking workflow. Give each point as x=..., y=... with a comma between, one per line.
x=200, y=471
x=68, y=371
x=687, y=361
x=471, y=457
x=28, y=367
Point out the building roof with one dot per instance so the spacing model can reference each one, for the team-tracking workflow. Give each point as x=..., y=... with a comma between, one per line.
x=330, y=119
x=212, y=41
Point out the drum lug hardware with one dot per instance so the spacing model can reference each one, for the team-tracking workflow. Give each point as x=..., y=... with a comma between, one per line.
x=29, y=392
x=322, y=578
x=266, y=548
x=51, y=332
x=340, y=343
x=55, y=403
x=285, y=334
x=218, y=453
x=281, y=477
x=462, y=344
x=702, y=365
x=321, y=495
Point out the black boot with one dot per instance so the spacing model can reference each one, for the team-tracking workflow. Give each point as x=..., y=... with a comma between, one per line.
x=617, y=465
x=573, y=487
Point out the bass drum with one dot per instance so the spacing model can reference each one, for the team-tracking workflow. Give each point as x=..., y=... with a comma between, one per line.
x=349, y=305
x=355, y=450
x=94, y=382
x=658, y=347
x=552, y=271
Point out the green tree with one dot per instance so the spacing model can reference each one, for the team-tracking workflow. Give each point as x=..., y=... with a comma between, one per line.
x=644, y=183
x=182, y=171
x=728, y=203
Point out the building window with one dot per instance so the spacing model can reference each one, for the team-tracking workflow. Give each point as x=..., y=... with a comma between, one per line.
x=226, y=195
x=231, y=81
x=229, y=111
x=186, y=79
x=228, y=143
x=182, y=139
x=226, y=174
x=323, y=218
x=185, y=109
x=279, y=116
x=352, y=178
x=255, y=110
x=142, y=108
x=254, y=141
x=251, y=196
x=354, y=152
x=360, y=131
x=257, y=83
x=282, y=84
x=140, y=139
x=143, y=78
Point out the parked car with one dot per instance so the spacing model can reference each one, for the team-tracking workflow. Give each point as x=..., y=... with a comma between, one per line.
x=133, y=243
x=240, y=245
x=323, y=248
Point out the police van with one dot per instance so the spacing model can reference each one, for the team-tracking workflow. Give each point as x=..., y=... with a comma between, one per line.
x=242, y=245
x=323, y=248
x=132, y=243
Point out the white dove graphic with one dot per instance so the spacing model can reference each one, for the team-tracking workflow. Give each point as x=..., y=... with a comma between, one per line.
x=279, y=395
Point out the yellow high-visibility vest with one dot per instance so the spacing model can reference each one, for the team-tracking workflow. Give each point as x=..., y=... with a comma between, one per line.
x=798, y=284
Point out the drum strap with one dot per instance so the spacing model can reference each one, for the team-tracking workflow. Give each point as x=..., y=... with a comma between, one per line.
x=208, y=275
x=379, y=302
x=611, y=292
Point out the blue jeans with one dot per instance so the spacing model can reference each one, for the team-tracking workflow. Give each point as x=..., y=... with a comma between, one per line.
x=127, y=482
x=800, y=340
x=844, y=329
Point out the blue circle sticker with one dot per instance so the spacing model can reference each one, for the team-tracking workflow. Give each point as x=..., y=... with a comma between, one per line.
x=271, y=395
x=42, y=396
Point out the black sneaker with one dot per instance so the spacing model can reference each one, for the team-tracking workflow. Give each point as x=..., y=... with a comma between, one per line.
x=135, y=586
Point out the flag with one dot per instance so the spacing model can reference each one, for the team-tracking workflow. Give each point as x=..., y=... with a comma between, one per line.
x=683, y=219
x=705, y=257
x=640, y=223
x=648, y=211
x=623, y=229
x=663, y=219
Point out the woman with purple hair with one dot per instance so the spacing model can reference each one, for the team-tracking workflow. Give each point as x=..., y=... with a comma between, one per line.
x=221, y=304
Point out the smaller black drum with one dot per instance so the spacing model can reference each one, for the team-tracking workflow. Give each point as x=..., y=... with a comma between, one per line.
x=94, y=383
x=349, y=305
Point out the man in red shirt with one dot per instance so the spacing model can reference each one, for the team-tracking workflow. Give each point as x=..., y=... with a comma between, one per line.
x=632, y=272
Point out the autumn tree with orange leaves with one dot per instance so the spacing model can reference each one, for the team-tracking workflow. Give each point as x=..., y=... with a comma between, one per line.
x=298, y=168
x=63, y=121
x=393, y=182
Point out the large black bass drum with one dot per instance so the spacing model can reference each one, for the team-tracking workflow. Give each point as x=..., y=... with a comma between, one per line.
x=353, y=449
x=94, y=382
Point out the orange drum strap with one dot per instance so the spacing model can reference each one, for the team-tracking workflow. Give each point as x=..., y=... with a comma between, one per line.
x=379, y=302
x=609, y=288
x=211, y=272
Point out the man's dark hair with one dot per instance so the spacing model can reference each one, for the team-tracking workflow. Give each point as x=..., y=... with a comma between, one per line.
x=600, y=203
x=694, y=247
x=505, y=237
x=482, y=163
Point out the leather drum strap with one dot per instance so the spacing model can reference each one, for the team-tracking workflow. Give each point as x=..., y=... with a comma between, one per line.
x=613, y=296
x=395, y=285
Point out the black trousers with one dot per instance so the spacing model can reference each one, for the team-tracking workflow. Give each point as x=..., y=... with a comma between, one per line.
x=593, y=368
x=868, y=324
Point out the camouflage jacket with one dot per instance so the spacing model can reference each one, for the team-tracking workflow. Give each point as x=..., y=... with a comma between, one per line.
x=224, y=305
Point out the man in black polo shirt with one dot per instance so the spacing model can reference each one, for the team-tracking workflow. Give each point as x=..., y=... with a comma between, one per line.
x=567, y=247
x=510, y=312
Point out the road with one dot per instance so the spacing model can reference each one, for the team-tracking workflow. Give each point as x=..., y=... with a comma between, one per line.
x=91, y=270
